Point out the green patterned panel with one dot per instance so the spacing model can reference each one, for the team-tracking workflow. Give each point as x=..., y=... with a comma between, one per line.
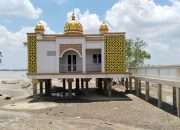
x=32, y=63
x=115, y=53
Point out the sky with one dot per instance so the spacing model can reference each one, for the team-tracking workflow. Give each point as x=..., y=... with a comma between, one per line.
x=157, y=22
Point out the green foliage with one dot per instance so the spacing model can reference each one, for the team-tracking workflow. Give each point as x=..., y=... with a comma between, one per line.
x=136, y=53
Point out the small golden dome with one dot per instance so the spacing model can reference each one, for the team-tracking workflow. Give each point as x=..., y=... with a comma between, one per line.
x=73, y=26
x=103, y=28
x=39, y=28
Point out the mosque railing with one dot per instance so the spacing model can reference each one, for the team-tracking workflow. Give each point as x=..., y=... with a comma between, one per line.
x=158, y=71
x=79, y=68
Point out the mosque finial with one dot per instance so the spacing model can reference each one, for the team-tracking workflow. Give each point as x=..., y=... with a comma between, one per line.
x=73, y=15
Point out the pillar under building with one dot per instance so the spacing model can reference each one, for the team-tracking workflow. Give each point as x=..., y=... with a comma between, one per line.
x=139, y=87
x=126, y=84
x=64, y=86
x=77, y=84
x=82, y=84
x=34, y=85
x=109, y=87
x=48, y=87
x=87, y=84
x=147, y=91
x=70, y=87
x=41, y=87
x=159, y=95
x=178, y=101
x=174, y=97
x=130, y=83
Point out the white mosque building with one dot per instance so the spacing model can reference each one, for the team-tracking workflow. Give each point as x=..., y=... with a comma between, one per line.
x=75, y=56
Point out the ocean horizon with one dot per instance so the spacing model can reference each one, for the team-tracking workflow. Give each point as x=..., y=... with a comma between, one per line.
x=7, y=74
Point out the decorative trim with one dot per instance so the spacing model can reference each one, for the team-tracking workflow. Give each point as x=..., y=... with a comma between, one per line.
x=78, y=75
x=115, y=53
x=70, y=49
x=67, y=47
x=32, y=58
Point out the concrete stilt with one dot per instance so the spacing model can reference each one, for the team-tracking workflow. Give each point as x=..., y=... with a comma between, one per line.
x=77, y=84
x=100, y=84
x=122, y=81
x=47, y=87
x=87, y=84
x=34, y=83
x=126, y=84
x=41, y=87
x=109, y=87
x=147, y=91
x=82, y=84
x=174, y=97
x=139, y=87
x=70, y=87
x=64, y=87
x=159, y=95
x=178, y=101
x=105, y=86
x=77, y=87
x=134, y=84
x=130, y=83
x=97, y=83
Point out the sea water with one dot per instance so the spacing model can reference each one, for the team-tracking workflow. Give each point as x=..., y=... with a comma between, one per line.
x=13, y=74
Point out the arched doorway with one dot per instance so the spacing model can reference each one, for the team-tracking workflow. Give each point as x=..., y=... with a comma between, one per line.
x=70, y=61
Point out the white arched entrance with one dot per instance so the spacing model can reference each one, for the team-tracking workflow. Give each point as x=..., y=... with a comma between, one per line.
x=70, y=61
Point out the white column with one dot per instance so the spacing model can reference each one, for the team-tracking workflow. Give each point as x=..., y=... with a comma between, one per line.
x=70, y=87
x=174, y=97
x=57, y=57
x=109, y=87
x=159, y=95
x=178, y=101
x=34, y=85
x=102, y=59
x=84, y=56
x=147, y=91
x=137, y=87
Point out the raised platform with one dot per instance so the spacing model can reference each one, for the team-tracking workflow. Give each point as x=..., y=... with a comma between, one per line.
x=78, y=75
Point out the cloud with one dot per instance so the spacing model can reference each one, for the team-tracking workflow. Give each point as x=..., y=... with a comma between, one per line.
x=22, y=8
x=157, y=24
x=90, y=21
x=13, y=50
x=12, y=47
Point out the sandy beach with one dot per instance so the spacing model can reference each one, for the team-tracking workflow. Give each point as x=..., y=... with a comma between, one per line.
x=97, y=112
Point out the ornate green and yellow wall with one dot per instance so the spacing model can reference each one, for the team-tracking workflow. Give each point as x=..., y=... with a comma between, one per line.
x=32, y=57
x=115, y=53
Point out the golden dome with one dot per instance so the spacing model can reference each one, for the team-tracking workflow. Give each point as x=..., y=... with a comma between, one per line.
x=103, y=28
x=39, y=28
x=73, y=26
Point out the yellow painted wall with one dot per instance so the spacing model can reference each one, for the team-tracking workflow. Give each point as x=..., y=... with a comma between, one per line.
x=115, y=53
